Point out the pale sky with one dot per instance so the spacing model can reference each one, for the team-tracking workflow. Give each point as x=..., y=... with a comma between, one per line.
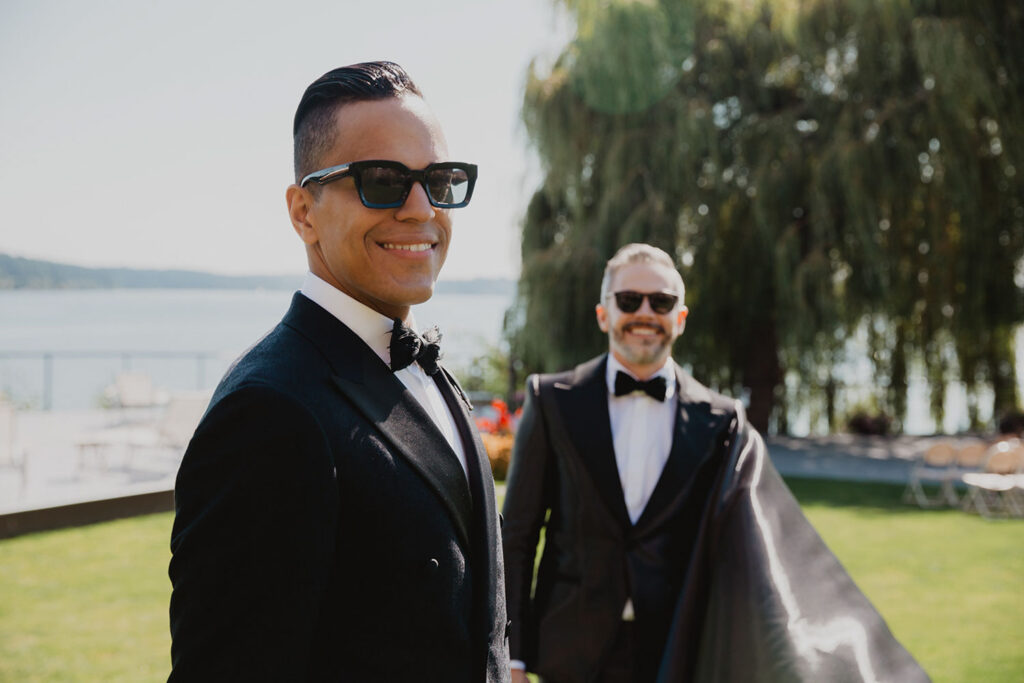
x=158, y=134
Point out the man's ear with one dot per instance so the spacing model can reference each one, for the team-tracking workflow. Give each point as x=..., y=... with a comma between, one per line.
x=300, y=203
x=602, y=317
x=681, y=318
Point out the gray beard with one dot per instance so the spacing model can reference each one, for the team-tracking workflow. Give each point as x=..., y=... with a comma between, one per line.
x=638, y=356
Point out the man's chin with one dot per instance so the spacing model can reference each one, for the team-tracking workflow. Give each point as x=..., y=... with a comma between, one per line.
x=413, y=294
x=644, y=357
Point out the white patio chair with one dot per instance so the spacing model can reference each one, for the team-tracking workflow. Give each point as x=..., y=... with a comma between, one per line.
x=171, y=431
x=936, y=466
x=134, y=390
x=176, y=425
x=996, y=490
x=971, y=456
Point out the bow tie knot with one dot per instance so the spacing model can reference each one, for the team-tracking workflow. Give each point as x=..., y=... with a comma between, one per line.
x=408, y=347
x=655, y=387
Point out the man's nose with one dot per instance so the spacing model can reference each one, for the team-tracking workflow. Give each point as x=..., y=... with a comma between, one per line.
x=645, y=307
x=417, y=206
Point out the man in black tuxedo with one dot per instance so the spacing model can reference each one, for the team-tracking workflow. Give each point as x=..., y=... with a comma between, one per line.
x=335, y=515
x=672, y=550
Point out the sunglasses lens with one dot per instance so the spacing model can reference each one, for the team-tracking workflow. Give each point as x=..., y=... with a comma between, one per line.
x=384, y=185
x=448, y=186
x=662, y=303
x=628, y=302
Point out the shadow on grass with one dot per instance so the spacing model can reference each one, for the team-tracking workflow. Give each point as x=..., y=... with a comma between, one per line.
x=832, y=493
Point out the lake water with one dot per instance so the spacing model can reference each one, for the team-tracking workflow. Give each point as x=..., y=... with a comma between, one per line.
x=95, y=334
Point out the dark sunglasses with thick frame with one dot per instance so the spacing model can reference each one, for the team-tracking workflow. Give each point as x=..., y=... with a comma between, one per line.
x=629, y=301
x=386, y=184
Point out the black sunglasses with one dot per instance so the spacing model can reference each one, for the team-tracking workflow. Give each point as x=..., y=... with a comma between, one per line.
x=630, y=302
x=386, y=184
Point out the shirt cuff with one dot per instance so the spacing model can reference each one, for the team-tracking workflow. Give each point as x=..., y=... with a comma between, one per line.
x=515, y=664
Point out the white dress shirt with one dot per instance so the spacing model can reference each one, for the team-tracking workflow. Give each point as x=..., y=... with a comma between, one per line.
x=375, y=330
x=641, y=434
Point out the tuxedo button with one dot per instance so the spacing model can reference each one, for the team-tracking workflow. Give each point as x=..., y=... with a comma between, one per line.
x=431, y=567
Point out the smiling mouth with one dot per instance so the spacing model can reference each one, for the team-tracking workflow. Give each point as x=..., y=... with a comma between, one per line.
x=643, y=329
x=421, y=246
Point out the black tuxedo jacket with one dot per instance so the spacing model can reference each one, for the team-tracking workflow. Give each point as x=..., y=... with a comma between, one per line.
x=594, y=558
x=325, y=530
x=729, y=581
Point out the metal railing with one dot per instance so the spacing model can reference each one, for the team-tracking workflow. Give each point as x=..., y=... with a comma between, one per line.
x=127, y=359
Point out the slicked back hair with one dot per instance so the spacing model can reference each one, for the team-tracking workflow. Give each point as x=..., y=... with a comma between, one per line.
x=639, y=253
x=314, y=126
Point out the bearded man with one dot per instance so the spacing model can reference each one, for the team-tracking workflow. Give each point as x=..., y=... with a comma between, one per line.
x=673, y=551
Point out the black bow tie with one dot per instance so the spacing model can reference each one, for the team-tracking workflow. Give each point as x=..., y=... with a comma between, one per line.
x=407, y=346
x=627, y=384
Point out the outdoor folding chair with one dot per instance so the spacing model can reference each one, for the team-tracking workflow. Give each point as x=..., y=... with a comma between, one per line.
x=171, y=432
x=935, y=466
x=997, y=490
x=134, y=390
x=971, y=456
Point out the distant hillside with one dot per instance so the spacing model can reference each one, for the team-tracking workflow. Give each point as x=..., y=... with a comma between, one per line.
x=23, y=273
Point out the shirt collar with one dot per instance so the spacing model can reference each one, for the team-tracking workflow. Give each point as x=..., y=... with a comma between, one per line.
x=369, y=325
x=667, y=371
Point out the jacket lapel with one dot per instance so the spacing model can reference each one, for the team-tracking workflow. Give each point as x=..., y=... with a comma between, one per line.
x=583, y=405
x=487, y=562
x=477, y=462
x=361, y=376
x=694, y=422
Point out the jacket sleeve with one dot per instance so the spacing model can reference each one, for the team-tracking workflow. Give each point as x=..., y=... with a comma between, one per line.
x=764, y=584
x=253, y=540
x=527, y=499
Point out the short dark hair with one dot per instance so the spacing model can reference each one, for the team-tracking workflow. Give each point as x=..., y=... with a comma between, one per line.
x=313, y=128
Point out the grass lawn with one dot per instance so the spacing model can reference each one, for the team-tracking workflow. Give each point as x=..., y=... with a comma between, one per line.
x=950, y=585
x=90, y=604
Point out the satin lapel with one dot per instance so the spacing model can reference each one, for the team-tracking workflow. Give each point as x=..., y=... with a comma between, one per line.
x=695, y=423
x=383, y=400
x=476, y=452
x=481, y=479
x=487, y=544
x=583, y=406
x=386, y=403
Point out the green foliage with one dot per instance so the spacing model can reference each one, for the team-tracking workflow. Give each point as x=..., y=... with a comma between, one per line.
x=817, y=168
x=487, y=372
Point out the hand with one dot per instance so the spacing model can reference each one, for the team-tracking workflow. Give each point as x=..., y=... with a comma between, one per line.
x=519, y=676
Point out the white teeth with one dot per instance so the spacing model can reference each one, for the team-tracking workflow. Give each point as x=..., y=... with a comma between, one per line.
x=408, y=247
x=644, y=330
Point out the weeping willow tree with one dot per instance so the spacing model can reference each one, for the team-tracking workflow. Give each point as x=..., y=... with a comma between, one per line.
x=821, y=170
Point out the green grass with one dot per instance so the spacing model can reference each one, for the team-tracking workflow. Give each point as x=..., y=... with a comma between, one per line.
x=950, y=585
x=90, y=604
x=87, y=604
